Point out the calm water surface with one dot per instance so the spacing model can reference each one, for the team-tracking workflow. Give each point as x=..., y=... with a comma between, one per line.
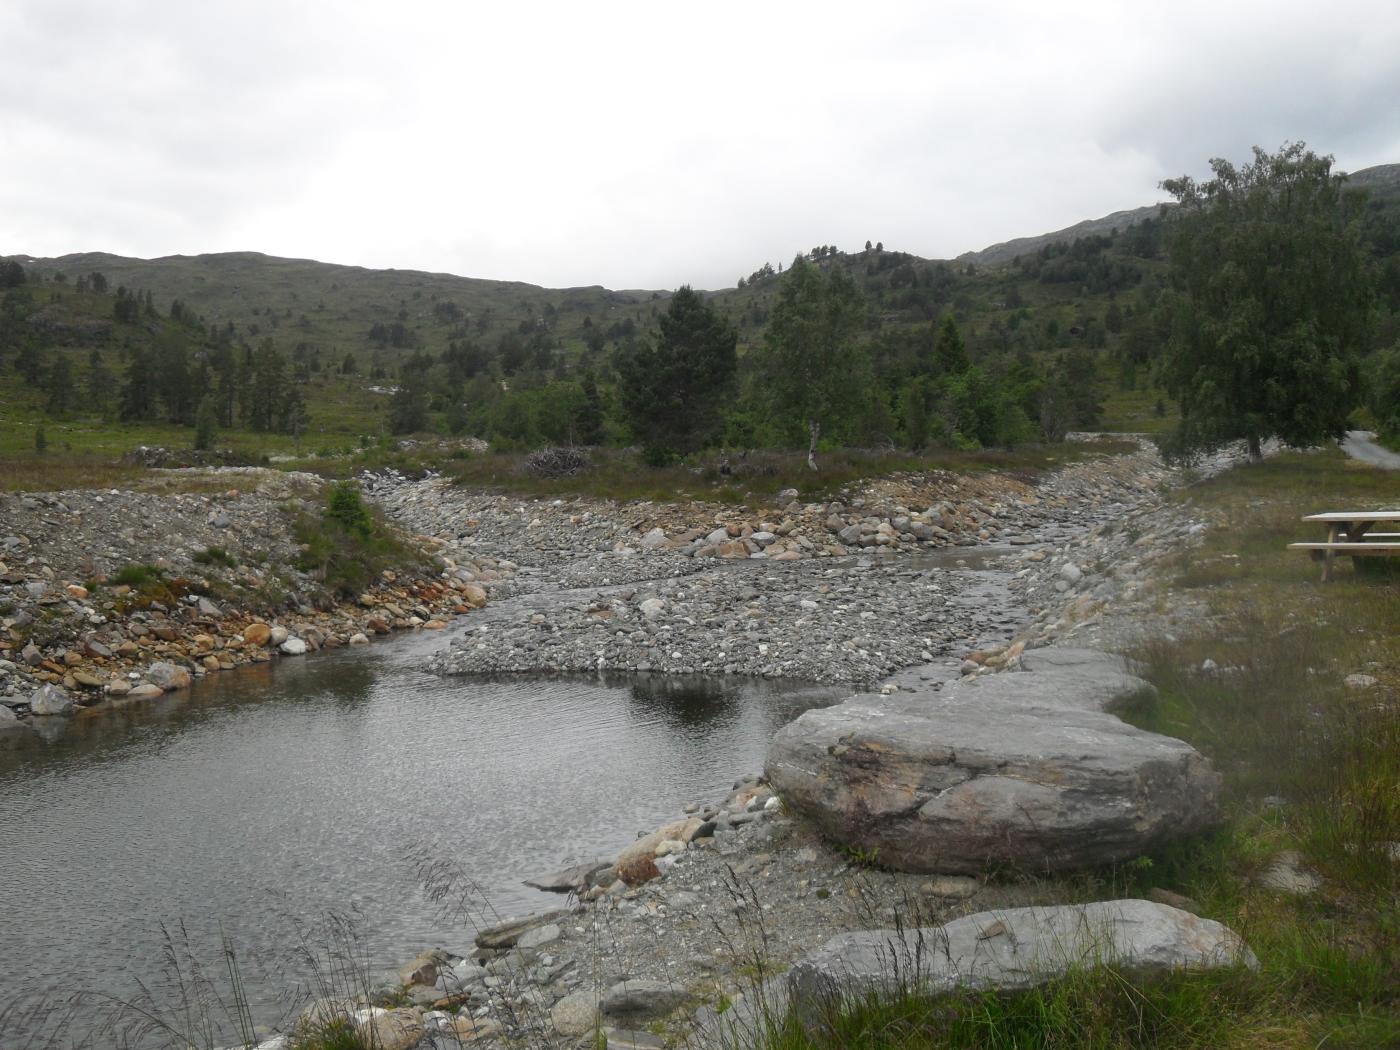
x=289, y=790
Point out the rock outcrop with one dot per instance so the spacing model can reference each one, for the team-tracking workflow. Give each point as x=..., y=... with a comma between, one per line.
x=1010, y=949
x=1025, y=768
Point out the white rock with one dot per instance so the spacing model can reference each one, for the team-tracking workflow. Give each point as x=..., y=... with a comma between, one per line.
x=50, y=700
x=293, y=647
x=1014, y=948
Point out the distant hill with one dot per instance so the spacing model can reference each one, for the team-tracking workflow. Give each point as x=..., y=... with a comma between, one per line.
x=336, y=307
x=1006, y=251
x=1383, y=180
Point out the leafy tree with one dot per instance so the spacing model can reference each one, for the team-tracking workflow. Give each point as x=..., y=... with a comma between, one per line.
x=673, y=390
x=206, y=422
x=1385, y=391
x=58, y=386
x=29, y=362
x=294, y=416
x=97, y=391
x=267, y=386
x=138, y=388
x=949, y=351
x=408, y=407
x=11, y=274
x=588, y=420
x=1270, y=303
x=811, y=346
x=913, y=404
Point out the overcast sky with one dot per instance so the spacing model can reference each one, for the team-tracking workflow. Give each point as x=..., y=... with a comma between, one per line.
x=651, y=144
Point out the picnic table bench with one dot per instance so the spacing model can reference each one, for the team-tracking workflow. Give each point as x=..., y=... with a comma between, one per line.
x=1349, y=533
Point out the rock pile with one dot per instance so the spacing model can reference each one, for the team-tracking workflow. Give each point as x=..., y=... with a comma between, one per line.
x=229, y=594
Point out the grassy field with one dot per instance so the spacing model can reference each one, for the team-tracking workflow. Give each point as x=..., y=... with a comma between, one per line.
x=1311, y=765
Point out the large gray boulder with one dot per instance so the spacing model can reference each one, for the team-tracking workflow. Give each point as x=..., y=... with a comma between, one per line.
x=1027, y=768
x=1010, y=949
x=168, y=676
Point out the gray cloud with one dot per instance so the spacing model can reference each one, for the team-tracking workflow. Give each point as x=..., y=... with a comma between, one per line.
x=639, y=145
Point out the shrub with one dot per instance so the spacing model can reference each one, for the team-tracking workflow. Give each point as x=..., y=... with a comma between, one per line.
x=557, y=463
x=348, y=545
x=215, y=556
x=136, y=576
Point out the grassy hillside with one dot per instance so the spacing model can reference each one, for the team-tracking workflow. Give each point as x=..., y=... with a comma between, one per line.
x=507, y=361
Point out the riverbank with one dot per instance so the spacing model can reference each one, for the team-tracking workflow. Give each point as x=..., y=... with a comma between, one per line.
x=111, y=596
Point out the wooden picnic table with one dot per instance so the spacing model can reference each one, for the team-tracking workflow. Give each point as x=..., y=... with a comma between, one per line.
x=1349, y=533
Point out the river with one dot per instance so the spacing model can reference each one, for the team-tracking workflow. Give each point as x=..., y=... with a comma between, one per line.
x=261, y=799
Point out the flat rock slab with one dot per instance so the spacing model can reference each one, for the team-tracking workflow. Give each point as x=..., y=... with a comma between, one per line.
x=506, y=934
x=642, y=999
x=1025, y=768
x=1010, y=949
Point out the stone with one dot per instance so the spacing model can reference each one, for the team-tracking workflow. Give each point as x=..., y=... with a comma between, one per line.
x=638, y=869
x=144, y=690
x=1360, y=681
x=50, y=700
x=1071, y=573
x=652, y=608
x=632, y=1039
x=1026, y=768
x=654, y=539
x=1013, y=948
x=474, y=595
x=399, y=1029
x=168, y=676
x=506, y=934
x=468, y=1029
x=278, y=635
x=293, y=647
x=636, y=1000
x=951, y=887
x=358, y=638
x=540, y=936
x=423, y=969
x=207, y=608
x=576, y=1013
x=9, y=721
x=1287, y=873
x=568, y=880
x=257, y=634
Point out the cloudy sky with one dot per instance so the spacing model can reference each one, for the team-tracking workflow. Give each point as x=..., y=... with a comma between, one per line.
x=649, y=144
